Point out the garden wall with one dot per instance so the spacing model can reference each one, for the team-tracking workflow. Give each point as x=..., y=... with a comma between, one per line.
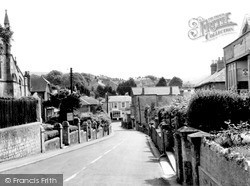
x=203, y=162
x=20, y=141
x=217, y=168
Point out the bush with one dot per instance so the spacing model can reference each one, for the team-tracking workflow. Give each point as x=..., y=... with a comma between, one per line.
x=50, y=134
x=209, y=109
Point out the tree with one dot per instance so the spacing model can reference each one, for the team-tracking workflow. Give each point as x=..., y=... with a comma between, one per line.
x=125, y=87
x=161, y=83
x=68, y=104
x=55, y=77
x=175, y=81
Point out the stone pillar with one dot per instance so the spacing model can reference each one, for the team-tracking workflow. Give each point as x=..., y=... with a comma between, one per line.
x=66, y=137
x=178, y=157
x=195, y=140
x=186, y=154
x=42, y=138
x=38, y=108
x=77, y=123
x=59, y=127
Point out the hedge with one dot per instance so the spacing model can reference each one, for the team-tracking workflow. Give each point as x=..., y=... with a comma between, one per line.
x=209, y=109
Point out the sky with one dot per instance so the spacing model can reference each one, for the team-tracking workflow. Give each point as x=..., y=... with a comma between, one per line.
x=118, y=38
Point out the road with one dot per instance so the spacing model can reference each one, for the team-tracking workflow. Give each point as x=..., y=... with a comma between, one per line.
x=123, y=159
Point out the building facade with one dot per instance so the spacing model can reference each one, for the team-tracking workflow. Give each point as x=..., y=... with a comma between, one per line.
x=237, y=59
x=143, y=97
x=118, y=106
x=12, y=81
x=217, y=78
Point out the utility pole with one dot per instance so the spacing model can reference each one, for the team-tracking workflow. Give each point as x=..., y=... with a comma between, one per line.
x=71, y=81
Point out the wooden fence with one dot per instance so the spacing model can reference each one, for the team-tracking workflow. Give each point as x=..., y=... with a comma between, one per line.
x=17, y=112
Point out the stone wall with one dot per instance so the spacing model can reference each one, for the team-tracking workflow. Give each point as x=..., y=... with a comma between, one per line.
x=220, y=167
x=20, y=141
x=203, y=162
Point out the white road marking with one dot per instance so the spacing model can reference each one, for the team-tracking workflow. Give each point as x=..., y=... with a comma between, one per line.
x=71, y=177
x=95, y=160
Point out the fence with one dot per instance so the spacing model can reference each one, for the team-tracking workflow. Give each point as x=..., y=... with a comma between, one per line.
x=17, y=112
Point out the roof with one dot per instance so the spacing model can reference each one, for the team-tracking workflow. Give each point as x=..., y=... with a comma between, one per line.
x=119, y=99
x=155, y=90
x=217, y=77
x=85, y=100
x=39, y=84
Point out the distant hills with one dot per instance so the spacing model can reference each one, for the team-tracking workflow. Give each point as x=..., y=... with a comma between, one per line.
x=92, y=81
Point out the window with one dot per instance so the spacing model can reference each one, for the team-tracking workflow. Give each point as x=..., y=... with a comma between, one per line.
x=123, y=104
x=114, y=105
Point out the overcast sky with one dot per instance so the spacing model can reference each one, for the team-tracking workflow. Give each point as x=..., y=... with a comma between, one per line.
x=117, y=38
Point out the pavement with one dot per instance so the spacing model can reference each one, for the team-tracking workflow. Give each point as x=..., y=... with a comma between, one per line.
x=167, y=161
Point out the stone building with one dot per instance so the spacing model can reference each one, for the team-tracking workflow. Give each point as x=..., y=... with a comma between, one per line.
x=143, y=97
x=12, y=81
x=217, y=78
x=237, y=59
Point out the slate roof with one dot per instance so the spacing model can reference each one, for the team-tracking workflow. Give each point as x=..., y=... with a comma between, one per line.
x=85, y=100
x=156, y=90
x=217, y=77
x=39, y=84
x=119, y=98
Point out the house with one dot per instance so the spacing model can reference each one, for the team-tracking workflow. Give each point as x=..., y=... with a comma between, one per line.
x=143, y=97
x=12, y=81
x=217, y=78
x=237, y=60
x=88, y=104
x=41, y=86
x=118, y=106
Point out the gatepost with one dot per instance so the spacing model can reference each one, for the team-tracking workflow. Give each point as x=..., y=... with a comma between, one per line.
x=195, y=140
x=58, y=126
x=66, y=138
x=186, y=154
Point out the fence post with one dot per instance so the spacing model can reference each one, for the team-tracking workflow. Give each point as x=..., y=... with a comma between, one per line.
x=42, y=138
x=77, y=123
x=59, y=127
x=66, y=137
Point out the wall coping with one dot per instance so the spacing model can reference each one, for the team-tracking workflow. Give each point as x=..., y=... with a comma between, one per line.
x=20, y=126
x=228, y=154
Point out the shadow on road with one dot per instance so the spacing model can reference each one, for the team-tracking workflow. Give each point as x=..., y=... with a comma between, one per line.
x=157, y=182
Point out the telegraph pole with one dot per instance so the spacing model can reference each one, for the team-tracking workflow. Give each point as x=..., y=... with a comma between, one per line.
x=71, y=80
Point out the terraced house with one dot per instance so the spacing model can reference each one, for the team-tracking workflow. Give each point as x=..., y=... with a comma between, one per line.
x=12, y=81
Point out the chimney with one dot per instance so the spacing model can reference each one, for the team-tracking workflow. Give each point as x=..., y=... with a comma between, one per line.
x=27, y=74
x=213, y=67
x=220, y=64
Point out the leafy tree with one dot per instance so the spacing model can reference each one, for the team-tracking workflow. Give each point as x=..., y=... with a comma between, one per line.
x=55, y=77
x=125, y=87
x=175, y=81
x=100, y=91
x=68, y=104
x=153, y=78
x=161, y=83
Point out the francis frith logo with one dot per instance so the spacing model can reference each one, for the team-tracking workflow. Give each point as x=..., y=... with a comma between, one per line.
x=210, y=28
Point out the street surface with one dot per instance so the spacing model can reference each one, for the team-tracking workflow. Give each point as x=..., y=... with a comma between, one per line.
x=124, y=159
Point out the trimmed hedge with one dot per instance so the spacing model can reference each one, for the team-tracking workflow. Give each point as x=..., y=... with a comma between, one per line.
x=209, y=109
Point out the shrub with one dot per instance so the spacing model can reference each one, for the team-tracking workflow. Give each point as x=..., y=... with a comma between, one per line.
x=50, y=134
x=208, y=109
